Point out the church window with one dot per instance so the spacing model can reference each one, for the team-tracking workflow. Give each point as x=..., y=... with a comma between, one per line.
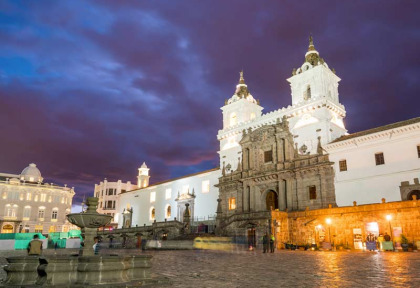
x=343, y=165
x=312, y=192
x=379, y=158
x=307, y=94
x=152, y=213
x=233, y=119
x=418, y=151
x=268, y=156
x=232, y=203
x=205, y=186
x=168, y=211
x=43, y=197
x=28, y=196
x=108, y=204
x=152, y=197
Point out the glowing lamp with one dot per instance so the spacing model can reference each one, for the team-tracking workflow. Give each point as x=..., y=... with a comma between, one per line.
x=328, y=220
x=388, y=217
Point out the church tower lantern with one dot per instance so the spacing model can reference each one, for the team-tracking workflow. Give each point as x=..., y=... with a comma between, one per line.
x=318, y=112
x=238, y=111
x=143, y=177
x=314, y=79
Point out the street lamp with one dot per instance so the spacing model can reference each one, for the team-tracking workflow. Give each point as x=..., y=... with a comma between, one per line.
x=389, y=218
x=328, y=220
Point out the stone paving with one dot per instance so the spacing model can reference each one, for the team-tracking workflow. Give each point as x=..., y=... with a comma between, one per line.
x=199, y=268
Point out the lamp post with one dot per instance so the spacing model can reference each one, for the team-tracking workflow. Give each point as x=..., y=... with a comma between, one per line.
x=318, y=228
x=389, y=218
x=328, y=220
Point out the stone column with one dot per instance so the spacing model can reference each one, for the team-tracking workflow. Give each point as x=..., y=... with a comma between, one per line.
x=88, y=240
x=282, y=193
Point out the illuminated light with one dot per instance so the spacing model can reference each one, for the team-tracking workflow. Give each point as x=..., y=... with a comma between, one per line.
x=388, y=217
x=305, y=120
x=328, y=221
x=319, y=227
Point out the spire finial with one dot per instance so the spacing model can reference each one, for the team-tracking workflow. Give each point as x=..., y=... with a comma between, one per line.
x=311, y=43
x=241, y=77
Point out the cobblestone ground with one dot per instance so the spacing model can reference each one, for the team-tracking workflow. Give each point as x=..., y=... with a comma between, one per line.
x=288, y=269
x=198, y=268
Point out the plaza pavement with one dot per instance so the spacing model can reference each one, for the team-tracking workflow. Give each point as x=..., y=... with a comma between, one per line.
x=199, y=268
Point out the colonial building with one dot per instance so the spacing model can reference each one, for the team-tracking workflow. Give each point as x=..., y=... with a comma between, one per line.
x=306, y=162
x=31, y=205
x=108, y=192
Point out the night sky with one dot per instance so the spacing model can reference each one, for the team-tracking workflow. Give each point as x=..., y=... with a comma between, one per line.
x=91, y=89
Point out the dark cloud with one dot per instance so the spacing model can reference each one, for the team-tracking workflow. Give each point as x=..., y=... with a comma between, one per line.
x=92, y=89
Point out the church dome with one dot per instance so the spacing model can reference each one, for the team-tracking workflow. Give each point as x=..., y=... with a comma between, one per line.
x=31, y=174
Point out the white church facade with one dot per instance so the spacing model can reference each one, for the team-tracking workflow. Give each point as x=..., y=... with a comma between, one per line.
x=368, y=165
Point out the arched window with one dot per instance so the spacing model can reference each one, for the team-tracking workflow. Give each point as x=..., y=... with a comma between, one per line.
x=233, y=119
x=152, y=213
x=412, y=194
x=168, y=211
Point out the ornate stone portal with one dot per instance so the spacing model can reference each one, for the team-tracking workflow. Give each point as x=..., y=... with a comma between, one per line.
x=272, y=175
x=182, y=200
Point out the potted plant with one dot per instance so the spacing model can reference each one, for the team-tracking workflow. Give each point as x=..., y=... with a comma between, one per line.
x=404, y=243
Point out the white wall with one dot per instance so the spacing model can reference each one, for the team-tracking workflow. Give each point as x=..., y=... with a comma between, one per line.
x=139, y=200
x=364, y=181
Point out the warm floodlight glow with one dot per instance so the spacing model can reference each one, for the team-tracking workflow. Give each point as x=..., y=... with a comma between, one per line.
x=319, y=227
x=328, y=220
x=388, y=217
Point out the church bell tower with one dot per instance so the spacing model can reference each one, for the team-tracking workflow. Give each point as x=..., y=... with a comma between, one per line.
x=238, y=111
x=314, y=88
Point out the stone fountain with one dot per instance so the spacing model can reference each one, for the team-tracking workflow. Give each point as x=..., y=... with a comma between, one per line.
x=81, y=270
x=89, y=221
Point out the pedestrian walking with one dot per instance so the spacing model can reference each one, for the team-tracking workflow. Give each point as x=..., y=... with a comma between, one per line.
x=387, y=237
x=265, y=243
x=35, y=246
x=272, y=240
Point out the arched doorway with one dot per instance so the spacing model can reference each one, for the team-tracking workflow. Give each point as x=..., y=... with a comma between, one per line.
x=272, y=200
x=412, y=193
x=7, y=229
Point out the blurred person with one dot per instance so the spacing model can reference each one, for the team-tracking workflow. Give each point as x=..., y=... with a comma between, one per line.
x=35, y=246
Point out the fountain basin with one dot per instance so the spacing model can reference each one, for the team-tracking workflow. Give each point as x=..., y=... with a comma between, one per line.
x=77, y=271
